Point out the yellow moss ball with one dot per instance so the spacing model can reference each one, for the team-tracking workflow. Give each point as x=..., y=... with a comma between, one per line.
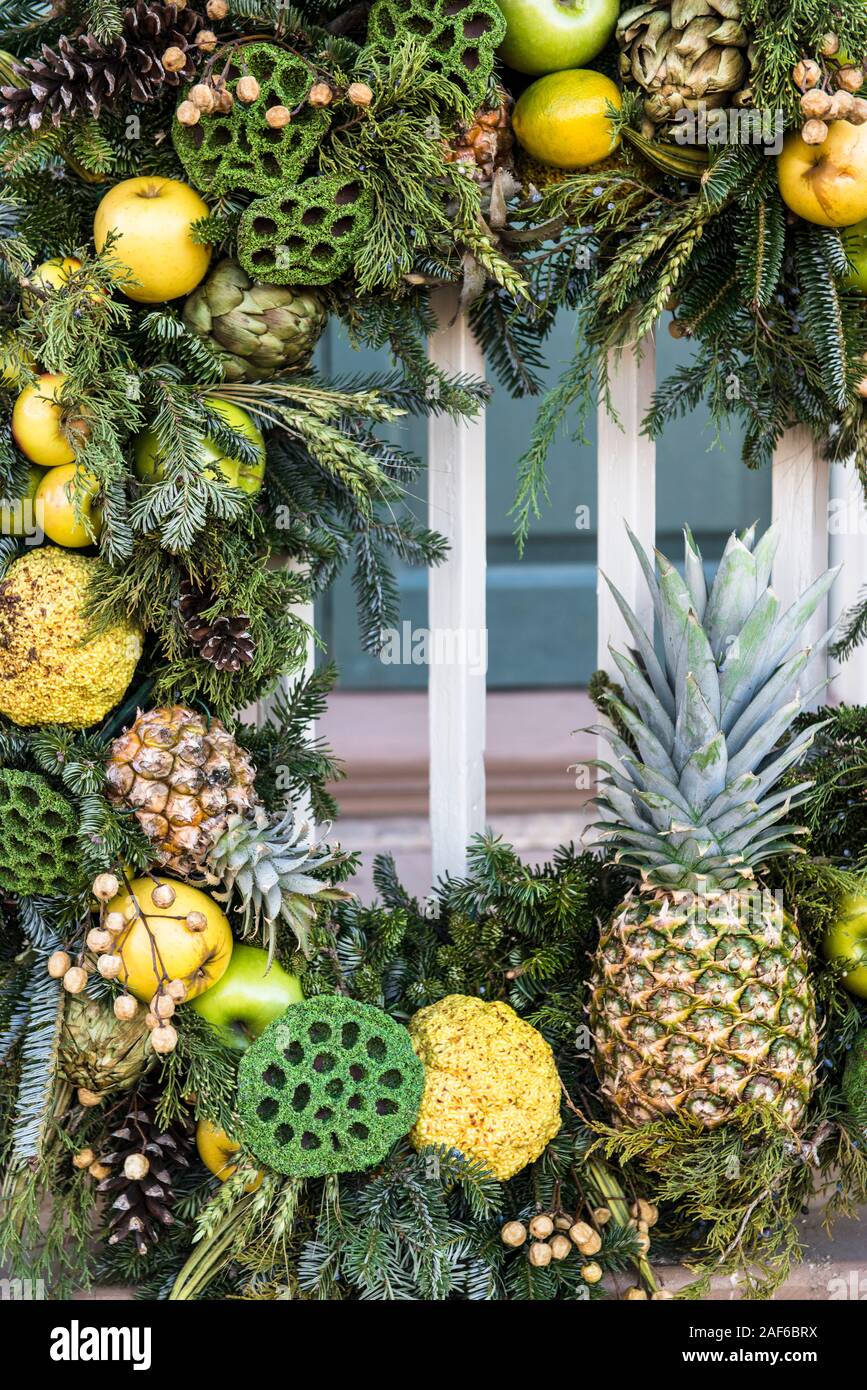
x=49, y=674
x=491, y=1087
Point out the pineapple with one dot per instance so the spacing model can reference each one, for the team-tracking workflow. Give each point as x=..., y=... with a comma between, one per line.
x=259, y=860
x=700, y=998
x=184, y=775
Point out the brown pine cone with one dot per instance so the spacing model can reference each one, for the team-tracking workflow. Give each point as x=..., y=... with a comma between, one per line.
x=81, y=75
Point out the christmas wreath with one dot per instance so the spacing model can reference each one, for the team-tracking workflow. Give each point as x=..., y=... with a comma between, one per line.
x=222, y=1075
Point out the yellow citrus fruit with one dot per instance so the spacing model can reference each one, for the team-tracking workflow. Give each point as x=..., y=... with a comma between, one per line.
x=563, y=119
x=827, y=183
x=37, y=419
x=216, y=1150
x=56, y=514
x=160, y=946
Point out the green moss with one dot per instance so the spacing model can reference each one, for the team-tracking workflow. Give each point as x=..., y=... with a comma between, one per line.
x=38, y=848
x=238, y=149
x=855, y=1079
x=328, y=1088
x=306, y=235
x=462, y=36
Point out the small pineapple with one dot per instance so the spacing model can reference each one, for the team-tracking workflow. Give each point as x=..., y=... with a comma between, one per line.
x=701, y=1000
x=259, y=861
x=184, y=775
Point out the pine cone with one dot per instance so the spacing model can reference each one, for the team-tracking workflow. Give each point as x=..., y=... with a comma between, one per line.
x=81, y=75
x=140, y=1207
x=225, y=641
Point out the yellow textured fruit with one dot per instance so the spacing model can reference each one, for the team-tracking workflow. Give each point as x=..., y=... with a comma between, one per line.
x=563, y=119
x=51, y=674
x=166, y=944
x=491, y=1087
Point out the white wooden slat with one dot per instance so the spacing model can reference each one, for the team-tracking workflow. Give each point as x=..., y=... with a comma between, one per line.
x=847, y=517
x=626, y=492
x=799, y=503
x=456, y=606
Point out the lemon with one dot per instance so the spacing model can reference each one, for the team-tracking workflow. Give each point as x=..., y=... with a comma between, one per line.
x=563, y=120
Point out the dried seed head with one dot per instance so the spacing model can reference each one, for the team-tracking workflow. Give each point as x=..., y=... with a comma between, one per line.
x=164, y=1039
x=829, y=45
x=83, y=1158
x=320, y=94
x=216, y=9
x=206, y=41
x=136, y=1167
x=592, y=1273
x=541, y=1254
x=806, y=74
x=247, y=90
x=110, y=966
x=99, y=1171
x=203, y=97
x=841, y=106
x=163, y=895
x=105, y=887
x=514, y=1233
x=195, y=921
x=75, y=979
x=115, y=922
x=815, y=104
x=541, y=1226
x=359, y=94
x=561, y=1246
x=86, y=1097
x=125, y=1008
x=58, y=963
x=98, y=939
x=278, y=116
x=177, y=990
x=174, y=59
x=635, y=1295
x=850, y=79
x=814, y=132
x=162, y=1005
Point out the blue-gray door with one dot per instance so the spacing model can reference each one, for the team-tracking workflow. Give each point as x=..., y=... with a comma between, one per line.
x=542, y=609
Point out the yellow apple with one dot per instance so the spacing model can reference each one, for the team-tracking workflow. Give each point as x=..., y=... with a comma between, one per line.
x=152, y=219
x=37, y=421
x=216, y=1150
x=826, y=183
x=53, y=275
x=15, y=360
x=159, y=945
x=56, y=512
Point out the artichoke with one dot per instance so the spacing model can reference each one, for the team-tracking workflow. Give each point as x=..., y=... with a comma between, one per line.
x=98, y=1051
x=257, y=330
x=683, y=53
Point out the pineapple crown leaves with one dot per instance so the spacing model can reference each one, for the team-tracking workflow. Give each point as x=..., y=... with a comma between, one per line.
x=260, y=861
x=693, y=800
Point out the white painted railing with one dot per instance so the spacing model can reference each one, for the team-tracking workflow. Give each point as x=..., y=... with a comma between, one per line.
x=806, y=494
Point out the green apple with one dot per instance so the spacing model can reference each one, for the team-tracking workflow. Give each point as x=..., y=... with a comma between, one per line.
x=150, y=467
x=846, y=941
x=855, y=245
x=548, y=35
x=247, y=997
